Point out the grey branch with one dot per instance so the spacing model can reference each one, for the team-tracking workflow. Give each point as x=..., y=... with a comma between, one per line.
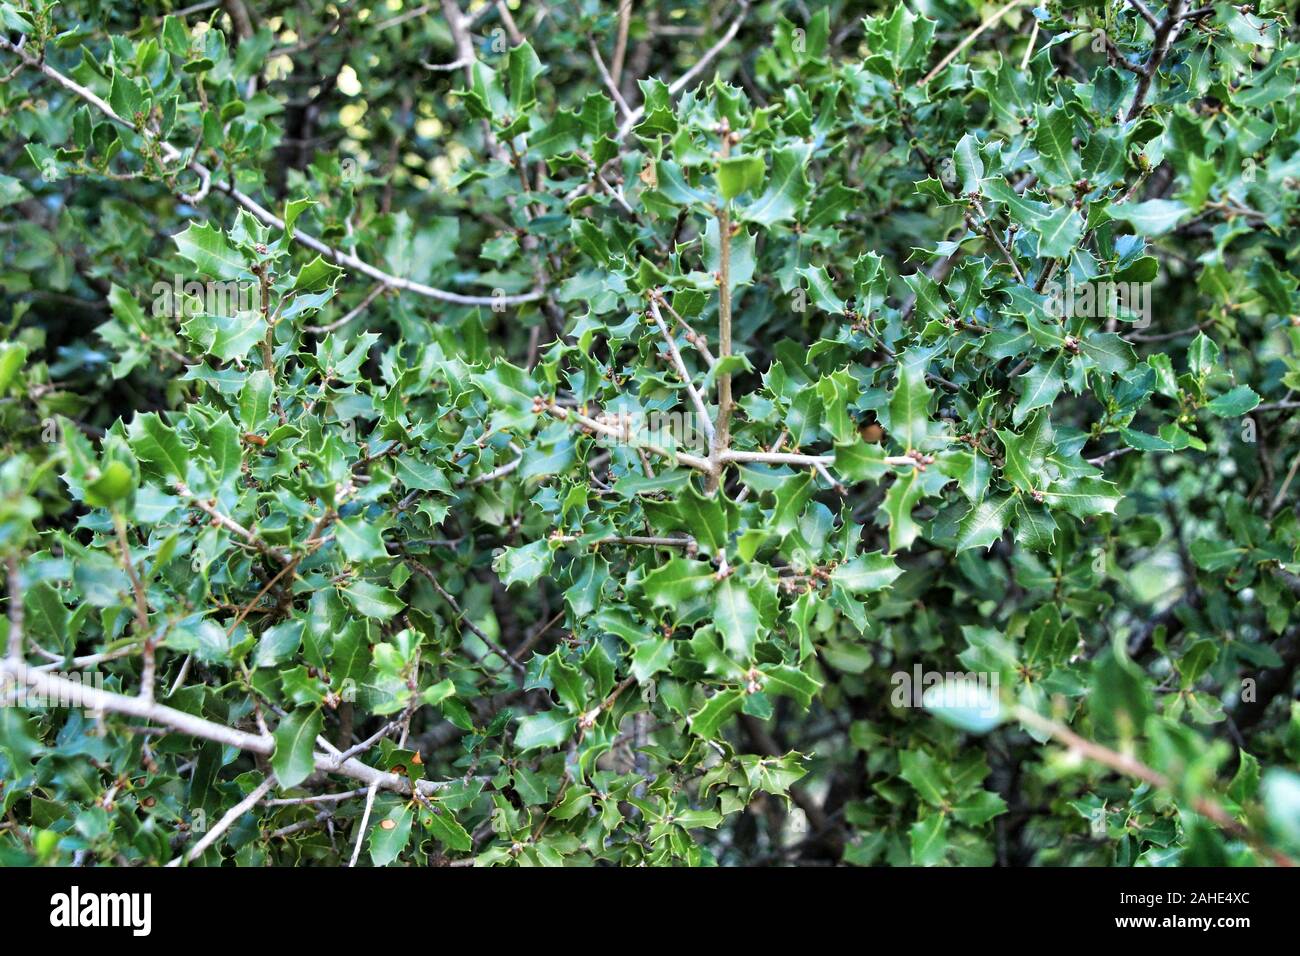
x=685, y=79
x=206, y=182
x=175, y=721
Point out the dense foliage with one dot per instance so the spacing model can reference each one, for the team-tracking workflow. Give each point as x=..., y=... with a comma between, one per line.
x=571, y=433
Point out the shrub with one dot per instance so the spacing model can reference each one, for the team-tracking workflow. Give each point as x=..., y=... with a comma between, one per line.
x=866, y=440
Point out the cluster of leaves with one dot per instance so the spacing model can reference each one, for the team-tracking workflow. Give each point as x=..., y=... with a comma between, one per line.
x=322, y=373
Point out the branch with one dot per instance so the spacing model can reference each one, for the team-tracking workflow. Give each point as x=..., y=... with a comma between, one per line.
x=620, y=44
x=611, y=431
x=610, y=83
x=142, y=629
x=1102, y=459
x=76, y=694
x=970, y=38
x=776, y=446
x=1132, y=767
x=685, y=79
x=445, y=67
x=720, y=440
x=692, y=336
x=461, y=616
x=696, y=398
x=1286, y=483
x=317, y=798
x=365, y=821
x=778, y=458
x=230, y=524
x=647, y=541
x=16, y=610
x=1145, y=13
x=225, y=823
x=364, y=304
x=172, y=154
x=1166, y=31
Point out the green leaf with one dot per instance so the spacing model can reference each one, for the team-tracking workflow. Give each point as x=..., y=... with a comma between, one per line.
x=678, y=580
x=708, y=720
x=12, y=357
x=524, y=564
x=1155, y=217
x=984, y=523
x=550, y=728
x=292, y=210
x=295, y=744
x=735, y=618
x=446, y=829
x=979, y=808
x=114, y=483
x=371, y=600
x=909, y=404
x=208, y=250
x=1120, y=699
x=226, y=337
x=740, y=174
x=787, y=188
x=1058, y=233
x=316, y=275
x=1084, y=497
x=255, y=400
x=360, y=540
x=866, y=573
x=388, y=837
x=278, y=643
x=156, y=443
x=704, y=517
x=1043, y=383
x=929, y=840
x=652, y=655
x=1234, y=403
x=970, y=167
x=790, y=682
x=920, y=770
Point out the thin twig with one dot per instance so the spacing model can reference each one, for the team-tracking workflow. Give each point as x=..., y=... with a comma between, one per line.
x=607, y=79
x=172, y=154
x=969, y=39
x=378, y=290
x=15, y=583
x=226, y=821
x=81, y=694
x=461, y=616
x=1286, y=483
x=685, y=79
x=1132, y=767
x=1166, y=32
x=676, y=355
x=365, y=821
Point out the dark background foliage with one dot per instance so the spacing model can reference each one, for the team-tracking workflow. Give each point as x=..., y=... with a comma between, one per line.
x=356, y=520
